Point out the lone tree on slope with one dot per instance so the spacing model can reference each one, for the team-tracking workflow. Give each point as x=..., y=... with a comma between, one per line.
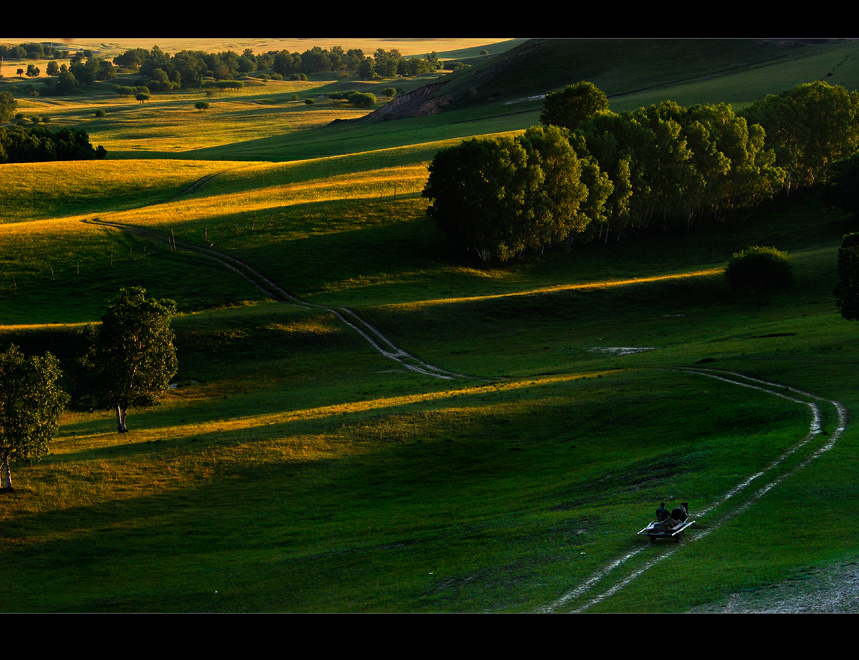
x=132, y=357
x=31, y=404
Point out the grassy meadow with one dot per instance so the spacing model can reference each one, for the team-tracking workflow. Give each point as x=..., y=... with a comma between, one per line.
x=295, y=468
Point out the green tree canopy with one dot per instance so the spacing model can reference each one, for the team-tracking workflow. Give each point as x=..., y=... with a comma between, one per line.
x=8, y=105
x=478, y=193
x=573, y=105
x=672, y=164
x=563, y=204
x=362, y=99
x=39, y=144
x=132, y=357
x=31, y=405
x=501, y=197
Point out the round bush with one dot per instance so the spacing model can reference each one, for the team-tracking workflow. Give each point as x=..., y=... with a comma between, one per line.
x=760, y=269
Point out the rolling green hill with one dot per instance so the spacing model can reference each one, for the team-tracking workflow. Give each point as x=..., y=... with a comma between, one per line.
x=504, y=92
x=366, y=420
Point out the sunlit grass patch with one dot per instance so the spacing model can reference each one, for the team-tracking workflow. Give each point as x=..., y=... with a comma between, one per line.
x=41, y=191
x=170, y=123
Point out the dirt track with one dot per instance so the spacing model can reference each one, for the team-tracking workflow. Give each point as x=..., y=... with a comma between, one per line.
x=376, y=339
x=829, y=593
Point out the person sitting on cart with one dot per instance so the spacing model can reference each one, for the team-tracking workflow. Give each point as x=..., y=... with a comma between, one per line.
x=679, y=515
x=662, y=514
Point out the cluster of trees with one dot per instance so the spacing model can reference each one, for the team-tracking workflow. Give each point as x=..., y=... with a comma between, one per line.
x=160, y=71
x=586, y=172
x=129, y=363
x=82, y=71
x=188, y=68
x=31, y=51
x=809, y=128
x=19, y=144
x=501, y=197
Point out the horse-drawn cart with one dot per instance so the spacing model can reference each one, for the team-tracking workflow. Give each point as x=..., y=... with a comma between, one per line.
x=664, y=530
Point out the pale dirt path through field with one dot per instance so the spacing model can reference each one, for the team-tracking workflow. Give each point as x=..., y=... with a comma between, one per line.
x=382, y=344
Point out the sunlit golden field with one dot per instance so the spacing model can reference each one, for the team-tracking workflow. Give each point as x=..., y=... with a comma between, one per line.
x=171, y=123
x=47, y=191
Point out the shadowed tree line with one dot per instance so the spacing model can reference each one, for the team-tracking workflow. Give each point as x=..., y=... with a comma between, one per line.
x=19, y=144
x=587, y=173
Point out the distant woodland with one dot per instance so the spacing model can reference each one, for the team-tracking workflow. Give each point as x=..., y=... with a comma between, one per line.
x=160, y=71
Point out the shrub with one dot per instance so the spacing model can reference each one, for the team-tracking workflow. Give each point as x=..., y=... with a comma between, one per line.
x=362, y=99
x=762, y=270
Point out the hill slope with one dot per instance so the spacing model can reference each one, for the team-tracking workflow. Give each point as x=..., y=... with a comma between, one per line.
x=620, y=67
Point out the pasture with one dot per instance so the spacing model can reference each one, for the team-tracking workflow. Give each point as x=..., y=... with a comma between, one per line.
x=491, y=449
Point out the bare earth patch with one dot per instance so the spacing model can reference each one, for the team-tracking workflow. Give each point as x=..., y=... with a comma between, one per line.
x=620, y=350
x=830, y=590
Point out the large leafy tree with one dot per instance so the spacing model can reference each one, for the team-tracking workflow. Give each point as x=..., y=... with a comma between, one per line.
x=31, y=404
x=734, y=168
x=665, y=160
x=573, y=105
x=847, y=289
x=612, y=141
x=132, y=356
x=559, y=203
x=670, y=164
x=480, y=191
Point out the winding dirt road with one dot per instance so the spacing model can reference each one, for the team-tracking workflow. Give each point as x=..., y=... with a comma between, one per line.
x=376, y=339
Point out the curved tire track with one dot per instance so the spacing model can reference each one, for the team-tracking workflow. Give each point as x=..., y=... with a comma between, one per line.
x=762, y=479
x=374, y=337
